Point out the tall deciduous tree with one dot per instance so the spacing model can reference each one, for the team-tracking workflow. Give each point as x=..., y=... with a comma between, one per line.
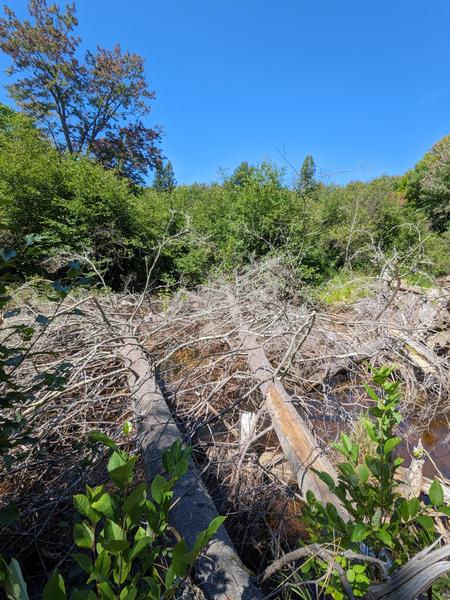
x=428, y=184
x=78, y=101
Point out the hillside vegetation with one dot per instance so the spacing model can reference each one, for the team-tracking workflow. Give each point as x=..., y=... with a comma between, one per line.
x=270, y=346
x=75, y=208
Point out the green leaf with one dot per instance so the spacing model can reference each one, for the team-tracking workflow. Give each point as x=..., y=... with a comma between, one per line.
x=385, y=537
x=106, y=505
x=405, y=511
x=346, y=442
x=136, y=499
x=113, y=537
x=83, y=595
x=159, y=487
x=425, y=521
x=9, y=514
x=16, y=585
x=102, y=566
x=120, y=468
x=391, y=444
x=327, y=479
x=106, y=591
x=413, y=506
x=359, y=532
x=129, y=592
x=436, y=493
x=204, y=536
x=445, y=510
x=363, y=473
x=83, y=506
x=102, y=438
x=181, y=559
x=140, y=545
x=55, y=588
x=83, y=561
x=332, y=512
x=83, y=535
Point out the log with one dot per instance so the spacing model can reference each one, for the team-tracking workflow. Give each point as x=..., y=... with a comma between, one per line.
x=414, y=578
x=297, y=441
x=219, y=572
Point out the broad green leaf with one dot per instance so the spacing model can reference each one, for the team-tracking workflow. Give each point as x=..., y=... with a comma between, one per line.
x=204, y=536
x=413, y=506
x=129, y=592
x=106, y=505
x=371, y=393
x=83, y=535
x=181, y=559
x=140, y=545
x=120, y=468
x=106, y=591
x=363, y=473
x=136, y=499
x=385, y=537
x=121, y=569
x=55, y=588
x=391, y=444
x=113, y=537
x=426, y=521
x=9, y=514
x=332, y=512
x=159, y=487
x=102, y=566
x=83, y=506
x=359, y=532
x=83, y=561
x=16, y=587
x=436, y=493
x=327, y=479
x=405, y=511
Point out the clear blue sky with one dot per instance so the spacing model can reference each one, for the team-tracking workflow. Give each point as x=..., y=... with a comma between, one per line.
x=362, y=85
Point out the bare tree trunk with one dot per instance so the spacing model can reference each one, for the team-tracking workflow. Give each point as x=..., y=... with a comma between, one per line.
x=219, y=572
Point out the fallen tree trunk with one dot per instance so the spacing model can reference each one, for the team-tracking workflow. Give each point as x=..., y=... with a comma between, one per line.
x=415, y=577
x=297, y=441
x=219, y=572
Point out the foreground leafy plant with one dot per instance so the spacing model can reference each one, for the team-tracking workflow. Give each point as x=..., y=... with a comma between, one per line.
x=381, y=523
x=125, y=554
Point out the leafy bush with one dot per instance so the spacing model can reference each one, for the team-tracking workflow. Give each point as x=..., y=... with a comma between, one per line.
x=122, y=536
x=382, y=523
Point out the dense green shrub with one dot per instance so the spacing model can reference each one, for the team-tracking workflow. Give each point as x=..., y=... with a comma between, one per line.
x=381, y=523
x=75, y=205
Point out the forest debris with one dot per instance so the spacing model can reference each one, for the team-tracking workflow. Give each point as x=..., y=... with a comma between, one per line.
x=219, y=571
x=247, y=425
x=298, y=443
x=415, y=577
x=412, y=484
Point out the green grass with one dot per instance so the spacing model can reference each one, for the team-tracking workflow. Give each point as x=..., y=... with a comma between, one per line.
x=344, y=288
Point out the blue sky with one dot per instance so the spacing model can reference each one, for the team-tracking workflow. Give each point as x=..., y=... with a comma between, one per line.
x=362, y=85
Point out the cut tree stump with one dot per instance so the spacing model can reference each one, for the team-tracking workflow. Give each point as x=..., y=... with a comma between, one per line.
x=219, y=572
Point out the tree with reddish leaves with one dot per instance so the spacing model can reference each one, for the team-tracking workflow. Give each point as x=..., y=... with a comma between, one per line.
x=85, y=104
